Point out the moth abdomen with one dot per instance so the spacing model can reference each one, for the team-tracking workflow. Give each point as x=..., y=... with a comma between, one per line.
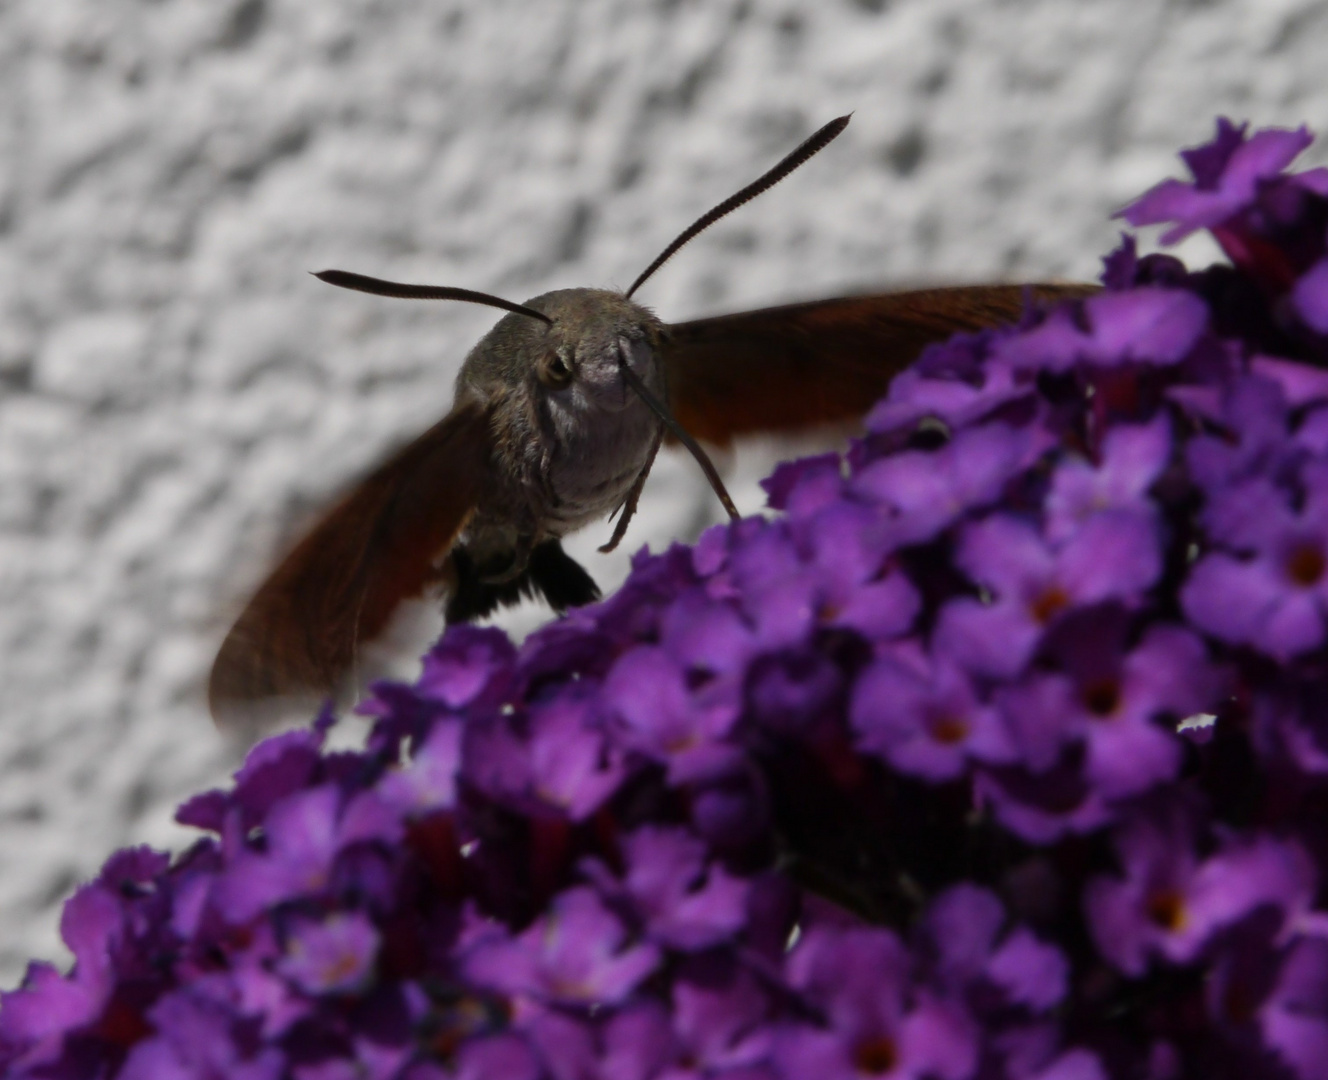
x=550, y=572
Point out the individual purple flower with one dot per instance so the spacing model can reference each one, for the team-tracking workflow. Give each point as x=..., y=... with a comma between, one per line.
x=1310, y=297
x=794, y=690
x=273, y=769
x=856, y=980
x=1227, y=174
x=1077, y=1064
x=1029, y=971
x=961, y=929
x=828, y=569
x=197, y=1039
x=1293, y=1019
x=720, y=1014
x=579, y=954
x=802, y=487
x=1121, y=704
x=1131, y=459
x=707, y=637
x=924, y=715
x=304, y=834
x=852, y=586
x=1113, y=556
x=566, y=1044
x=36, y=1016
x=428, y=781
x=495, y=756
x=1043, y=806
x=1269, y=223
x=925, y=492
x=575, y=766
x=1239, y=1001
x=331, y=956
x=632, y=614
x=685, y=902
x=496, y=1057
x=647, y=695
x=1301, y=384
x=1113, y=702
x=952, y=384
x=1170, y=902
x=468, y=665
x=1150, y=324
x=257, y=992
x=714, y=1025
x=1250, y=415
x=1276, y=598
x=639, y=1042
x=770, y=582
x=732, y=810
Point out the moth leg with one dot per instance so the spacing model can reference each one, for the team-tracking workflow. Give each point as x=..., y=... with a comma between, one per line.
x=629, y=503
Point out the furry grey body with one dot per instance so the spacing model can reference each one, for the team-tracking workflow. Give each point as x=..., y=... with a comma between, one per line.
x=564, y=455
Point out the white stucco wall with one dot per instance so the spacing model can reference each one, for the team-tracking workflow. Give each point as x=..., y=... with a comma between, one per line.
x=177, y=394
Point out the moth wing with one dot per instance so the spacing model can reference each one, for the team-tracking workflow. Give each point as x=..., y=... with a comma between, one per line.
x=339, y=586
x=827, y=361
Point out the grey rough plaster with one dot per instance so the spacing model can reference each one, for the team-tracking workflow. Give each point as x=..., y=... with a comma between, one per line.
x=177, y=395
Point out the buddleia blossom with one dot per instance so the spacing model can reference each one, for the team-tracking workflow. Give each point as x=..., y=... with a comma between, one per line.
x=998, y=749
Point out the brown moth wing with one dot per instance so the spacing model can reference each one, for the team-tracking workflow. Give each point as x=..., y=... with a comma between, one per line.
x=380, y=545
x=827, y=361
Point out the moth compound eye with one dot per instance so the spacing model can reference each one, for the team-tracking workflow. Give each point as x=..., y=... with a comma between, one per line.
x=555, y=371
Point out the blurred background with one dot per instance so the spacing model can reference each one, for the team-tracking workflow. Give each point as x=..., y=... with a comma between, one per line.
x=178, y=395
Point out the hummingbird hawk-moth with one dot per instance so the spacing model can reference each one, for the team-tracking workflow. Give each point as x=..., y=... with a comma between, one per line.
x=557, y=417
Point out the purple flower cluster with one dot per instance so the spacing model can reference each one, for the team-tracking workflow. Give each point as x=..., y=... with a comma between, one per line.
x=1000, y=752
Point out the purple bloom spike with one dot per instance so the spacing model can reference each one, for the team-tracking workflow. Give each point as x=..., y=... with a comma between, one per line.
x=999, y=750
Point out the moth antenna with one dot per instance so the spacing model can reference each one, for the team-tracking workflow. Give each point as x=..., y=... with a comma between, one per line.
x=813, y=145
x=680, y=433
x=344, y=279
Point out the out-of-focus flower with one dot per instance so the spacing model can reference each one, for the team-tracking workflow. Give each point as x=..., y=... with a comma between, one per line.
x=331, y=956
x=857, y=980
x=580, y=953
x=1171, y=903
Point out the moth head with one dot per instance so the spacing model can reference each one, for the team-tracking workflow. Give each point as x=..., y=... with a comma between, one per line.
x=576, y=360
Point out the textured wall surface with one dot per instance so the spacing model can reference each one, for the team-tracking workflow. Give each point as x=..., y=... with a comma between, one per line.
x=177, y=395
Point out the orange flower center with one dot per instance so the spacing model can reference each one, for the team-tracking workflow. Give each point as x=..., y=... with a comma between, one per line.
x=875, y=1056
x=1306, y=565
x=1049, y=603
x=1166, y=909
x=948, y=730
x=1102, y=697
